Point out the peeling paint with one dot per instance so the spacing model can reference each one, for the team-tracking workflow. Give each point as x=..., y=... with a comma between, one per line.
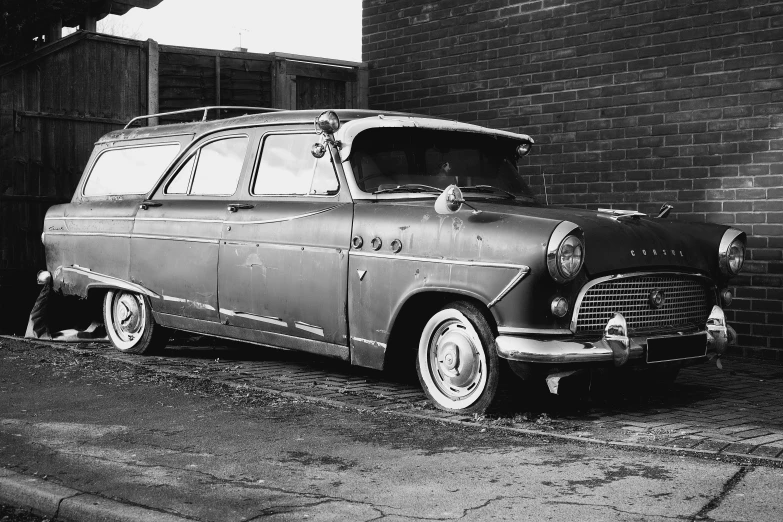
x=194, y=304
x=309, y=328
x=370, y=342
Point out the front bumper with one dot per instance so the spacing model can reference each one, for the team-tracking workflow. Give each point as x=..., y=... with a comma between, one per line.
x=615, y=346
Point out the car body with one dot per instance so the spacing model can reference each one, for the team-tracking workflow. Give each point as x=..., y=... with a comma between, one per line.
x=347, y=235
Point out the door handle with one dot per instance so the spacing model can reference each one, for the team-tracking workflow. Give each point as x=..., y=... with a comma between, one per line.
x=233, y=207
x=147, y=204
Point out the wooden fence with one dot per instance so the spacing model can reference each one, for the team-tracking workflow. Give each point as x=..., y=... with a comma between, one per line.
x=56, y=103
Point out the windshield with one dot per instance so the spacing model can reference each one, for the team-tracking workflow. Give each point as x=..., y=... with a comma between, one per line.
x=383, y=159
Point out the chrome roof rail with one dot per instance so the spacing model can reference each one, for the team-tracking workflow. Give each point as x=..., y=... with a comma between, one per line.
x=205, y=110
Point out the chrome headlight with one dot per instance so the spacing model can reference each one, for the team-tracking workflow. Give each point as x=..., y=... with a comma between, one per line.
x=565, y=253
x=731, y=253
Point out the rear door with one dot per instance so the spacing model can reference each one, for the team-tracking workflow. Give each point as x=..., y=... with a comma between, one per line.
x=91, y=236
x=283, y=260
x=176, y=235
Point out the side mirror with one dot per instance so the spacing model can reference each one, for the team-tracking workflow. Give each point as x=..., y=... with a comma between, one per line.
x=318, y=150
x=450, y=200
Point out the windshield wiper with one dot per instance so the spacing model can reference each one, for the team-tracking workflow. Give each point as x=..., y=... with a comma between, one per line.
x=408, y=187
x=488, y=188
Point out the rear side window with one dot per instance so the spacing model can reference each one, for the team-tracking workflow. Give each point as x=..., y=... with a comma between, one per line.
x=288, y=168
x=129, y=170
x=218, y=165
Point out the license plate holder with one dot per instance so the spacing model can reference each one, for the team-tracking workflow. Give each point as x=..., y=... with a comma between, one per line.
x=676, y=347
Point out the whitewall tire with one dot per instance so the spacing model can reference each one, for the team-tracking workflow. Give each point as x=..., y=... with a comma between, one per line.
x=128, y=320
x=457, y=360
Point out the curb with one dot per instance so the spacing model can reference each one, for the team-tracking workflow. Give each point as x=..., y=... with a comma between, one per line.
x=61, y=503
x=446, y=418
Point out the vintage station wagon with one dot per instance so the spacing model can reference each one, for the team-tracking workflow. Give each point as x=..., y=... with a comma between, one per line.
x=364, y=236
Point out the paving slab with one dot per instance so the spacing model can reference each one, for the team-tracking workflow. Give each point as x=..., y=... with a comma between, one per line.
x=750, y=499
x=709, y=410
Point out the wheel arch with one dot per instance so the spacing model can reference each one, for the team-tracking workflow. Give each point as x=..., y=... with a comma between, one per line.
x=415, y=310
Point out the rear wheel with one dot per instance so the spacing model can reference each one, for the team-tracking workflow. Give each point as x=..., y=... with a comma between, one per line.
x=457, y=361
x=128, y=320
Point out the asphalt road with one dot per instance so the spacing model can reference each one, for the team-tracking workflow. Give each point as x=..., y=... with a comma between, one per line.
x=210, y=452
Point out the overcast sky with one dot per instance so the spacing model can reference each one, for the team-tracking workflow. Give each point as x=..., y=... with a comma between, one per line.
x=323, y=28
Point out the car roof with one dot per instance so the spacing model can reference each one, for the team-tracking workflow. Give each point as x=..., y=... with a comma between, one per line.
x=267, y=118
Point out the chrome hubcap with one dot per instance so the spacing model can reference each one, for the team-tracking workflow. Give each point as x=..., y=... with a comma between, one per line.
x=128, y=312
x=455, y=361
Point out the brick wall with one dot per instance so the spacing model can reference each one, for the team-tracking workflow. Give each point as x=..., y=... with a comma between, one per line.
x=632, y=104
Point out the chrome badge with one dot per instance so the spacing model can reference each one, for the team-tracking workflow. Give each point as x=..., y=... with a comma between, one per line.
x=656, y=299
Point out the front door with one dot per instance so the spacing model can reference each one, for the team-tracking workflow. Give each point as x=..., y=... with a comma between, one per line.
x=177, y=232
x=284, y=256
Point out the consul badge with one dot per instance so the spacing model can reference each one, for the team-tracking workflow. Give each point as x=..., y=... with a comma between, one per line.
x=664, y=252
x=656, y=299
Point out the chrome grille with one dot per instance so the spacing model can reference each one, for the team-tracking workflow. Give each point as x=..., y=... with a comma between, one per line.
x=687, y=301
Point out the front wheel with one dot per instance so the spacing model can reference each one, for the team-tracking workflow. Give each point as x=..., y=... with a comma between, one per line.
x=129, y=323
x=457, y=361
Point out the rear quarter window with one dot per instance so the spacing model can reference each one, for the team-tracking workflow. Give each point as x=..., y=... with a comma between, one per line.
x=129, y=170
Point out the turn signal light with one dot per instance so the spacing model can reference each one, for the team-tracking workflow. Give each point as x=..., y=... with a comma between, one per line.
x=726, y=297
x=559, y=306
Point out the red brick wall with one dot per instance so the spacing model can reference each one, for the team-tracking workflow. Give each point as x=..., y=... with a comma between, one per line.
x=632, y=104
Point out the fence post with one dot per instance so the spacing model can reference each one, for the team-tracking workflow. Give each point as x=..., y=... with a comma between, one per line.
x=362, y=77
x=153, y=93
x=283, y=86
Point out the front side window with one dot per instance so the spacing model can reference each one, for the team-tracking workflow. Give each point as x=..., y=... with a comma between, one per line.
x=389, y=158
x=129, y=170
x=213, y=170
x=288, y=168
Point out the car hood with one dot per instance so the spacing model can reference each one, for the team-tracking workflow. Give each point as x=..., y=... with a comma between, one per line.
x=640, y=242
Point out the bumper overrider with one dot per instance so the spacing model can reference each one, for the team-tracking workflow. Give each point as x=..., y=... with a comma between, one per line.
x=614, y=347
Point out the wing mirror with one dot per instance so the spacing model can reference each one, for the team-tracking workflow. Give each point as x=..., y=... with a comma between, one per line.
x=449, y=201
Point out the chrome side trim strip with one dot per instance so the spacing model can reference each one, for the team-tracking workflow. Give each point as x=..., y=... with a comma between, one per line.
x=512, y=330
x=142, y=236
x=180, y=220
x=88, y=218
x=517, y=278
x=110, y=280
x=281, y=220
x=280, y=246
x=435, y=260
x=105, y=234
x=599, y=280
x=309, y=328
x=262, y=318
x=176, y=238
x=195, y=304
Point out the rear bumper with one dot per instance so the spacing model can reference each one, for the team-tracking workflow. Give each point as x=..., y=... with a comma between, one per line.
x=614, y=348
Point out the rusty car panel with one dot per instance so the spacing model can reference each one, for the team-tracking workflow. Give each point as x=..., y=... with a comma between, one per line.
x=267, y=262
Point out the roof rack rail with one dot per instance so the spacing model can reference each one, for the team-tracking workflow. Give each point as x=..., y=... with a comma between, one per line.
x=205, y=110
